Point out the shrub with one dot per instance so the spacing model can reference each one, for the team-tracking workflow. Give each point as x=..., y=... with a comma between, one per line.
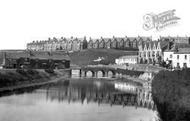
x=21, y=71
x=32, y=72
x=49, y=70
x=130, y=72
x=170, y=92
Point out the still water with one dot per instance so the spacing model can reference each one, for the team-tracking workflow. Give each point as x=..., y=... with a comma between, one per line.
x=75, y=100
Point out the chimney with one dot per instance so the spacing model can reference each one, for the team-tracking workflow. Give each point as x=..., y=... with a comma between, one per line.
x=30, y=54
x=169, y=45
x=4, y=58
x=49, y=53
x=175, y=48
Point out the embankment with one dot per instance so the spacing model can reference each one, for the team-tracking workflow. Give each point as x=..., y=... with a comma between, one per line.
x=13, y=78
x=170, y=90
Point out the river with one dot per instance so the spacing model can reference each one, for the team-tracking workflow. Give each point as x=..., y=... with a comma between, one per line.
x=75, y=100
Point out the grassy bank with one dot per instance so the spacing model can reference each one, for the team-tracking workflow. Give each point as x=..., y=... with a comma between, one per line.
x=87, y=57
x=170, y=90
x=9, y=78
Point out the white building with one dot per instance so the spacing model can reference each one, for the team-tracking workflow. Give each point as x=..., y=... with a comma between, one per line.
x=168, y=56
x=181, y=58
x=152, y=51
x=132, y=59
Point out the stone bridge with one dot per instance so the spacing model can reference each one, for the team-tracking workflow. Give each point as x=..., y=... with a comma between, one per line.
x=101, y=71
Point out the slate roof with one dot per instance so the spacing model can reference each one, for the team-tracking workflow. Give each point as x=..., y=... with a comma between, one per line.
x=183, y=51
x=182, y=45
x=38, y=55
x=132, y=38
x=107, y=39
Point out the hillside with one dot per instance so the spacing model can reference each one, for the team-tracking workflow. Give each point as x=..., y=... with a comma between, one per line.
x=81, y=58
x=97, y=56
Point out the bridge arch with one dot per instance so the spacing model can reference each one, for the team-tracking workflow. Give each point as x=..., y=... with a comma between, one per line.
x=89, y=73
x=111, y=73
x=101, y=73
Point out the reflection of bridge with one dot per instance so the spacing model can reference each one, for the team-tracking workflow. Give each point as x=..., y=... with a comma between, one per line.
x=99, y=71
x=104, y=95
x=144, y=98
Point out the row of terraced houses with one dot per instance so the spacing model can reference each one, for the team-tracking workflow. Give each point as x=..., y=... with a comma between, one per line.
x=77, y=44
x=53, y=44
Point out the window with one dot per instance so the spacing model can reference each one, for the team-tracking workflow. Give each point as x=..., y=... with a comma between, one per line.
x=177, y=56
x=185, y=65
x=170, y=55
x=153, y=54
x=177, y=65
x=148, y=54
x=185, y=57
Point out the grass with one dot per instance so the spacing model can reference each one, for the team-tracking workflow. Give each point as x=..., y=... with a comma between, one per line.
x=87, y=57
x=14, y=77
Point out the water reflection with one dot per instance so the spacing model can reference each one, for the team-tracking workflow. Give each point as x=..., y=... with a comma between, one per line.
x=99, y=92
x=81, y=100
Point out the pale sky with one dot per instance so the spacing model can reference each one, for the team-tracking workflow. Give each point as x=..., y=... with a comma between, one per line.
x=22, y=21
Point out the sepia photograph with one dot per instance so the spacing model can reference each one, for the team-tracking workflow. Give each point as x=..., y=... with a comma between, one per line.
x=94, y=60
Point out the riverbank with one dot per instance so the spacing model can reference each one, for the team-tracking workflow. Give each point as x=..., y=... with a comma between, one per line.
x=11, y=79
x=170, y=90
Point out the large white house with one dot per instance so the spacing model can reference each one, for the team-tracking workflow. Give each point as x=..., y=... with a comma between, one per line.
x=178, y=57
x=181, y=58
x=131, y=59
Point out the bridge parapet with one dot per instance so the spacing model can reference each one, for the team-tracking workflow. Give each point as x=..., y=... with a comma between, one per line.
x=105, y=71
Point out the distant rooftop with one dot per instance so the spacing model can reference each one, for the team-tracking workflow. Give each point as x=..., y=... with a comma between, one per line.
x=36, y=55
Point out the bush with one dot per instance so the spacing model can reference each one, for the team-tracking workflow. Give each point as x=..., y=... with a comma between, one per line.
x=170, y=90
x=49, y=70
x=10, y=79
x=130, y=72
x=32, y=72
x=21, y=71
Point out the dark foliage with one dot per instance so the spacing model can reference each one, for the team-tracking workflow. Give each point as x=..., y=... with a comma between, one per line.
x=21, y=71
x=32, y=72
x=49, y=70
x=20, y=76
x=171, y=93
x=130, y=72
